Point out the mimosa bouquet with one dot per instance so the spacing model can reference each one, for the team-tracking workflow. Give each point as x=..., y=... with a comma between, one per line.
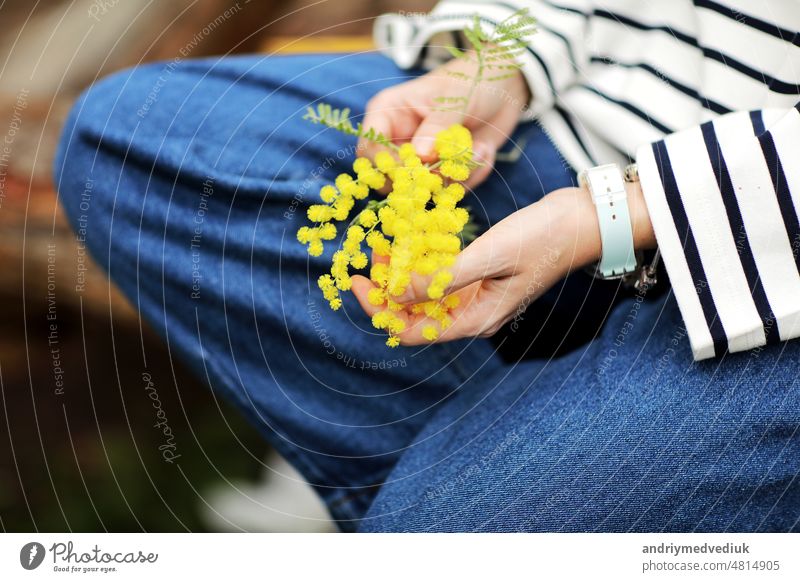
x=419, y=226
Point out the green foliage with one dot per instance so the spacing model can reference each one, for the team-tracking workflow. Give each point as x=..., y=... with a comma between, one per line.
x=339, y=119
x=495, y=52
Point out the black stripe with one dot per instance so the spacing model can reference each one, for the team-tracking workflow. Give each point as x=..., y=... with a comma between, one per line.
x=781, y=186
x=573, y=61
x=565, y=8
x=683, y=37
x=690, y=251
x=704, y=101
x=632, y=108
x=736, y=222
x=546, y=72
x=565, y=116
x=758, y=122
x=470, y=17
x=459, y=42
x=543, y=26
x=783, y=34
x=574, y=130
x=423, y=53
x=775, y=85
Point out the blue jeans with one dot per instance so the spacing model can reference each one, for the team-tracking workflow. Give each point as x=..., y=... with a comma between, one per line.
x=189, y=182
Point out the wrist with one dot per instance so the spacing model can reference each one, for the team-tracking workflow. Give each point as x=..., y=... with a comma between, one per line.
x=643, y=235
x=577, y=228
x=579, y=237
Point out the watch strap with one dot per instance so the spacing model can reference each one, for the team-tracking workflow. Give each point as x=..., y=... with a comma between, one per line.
x=611, y=202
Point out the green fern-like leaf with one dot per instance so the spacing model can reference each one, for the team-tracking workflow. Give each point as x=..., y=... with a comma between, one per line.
x=459, y=99
x=455, y=52
x=339, y=119
x=496, y=52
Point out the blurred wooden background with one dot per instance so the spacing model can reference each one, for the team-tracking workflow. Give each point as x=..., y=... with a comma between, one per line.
x=88, y=459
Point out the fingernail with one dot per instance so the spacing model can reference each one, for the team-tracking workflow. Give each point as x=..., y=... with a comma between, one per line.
x=482, y=151
x=423, y=145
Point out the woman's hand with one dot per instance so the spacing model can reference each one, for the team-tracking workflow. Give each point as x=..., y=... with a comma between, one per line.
x=409, y=112
x=515, y=262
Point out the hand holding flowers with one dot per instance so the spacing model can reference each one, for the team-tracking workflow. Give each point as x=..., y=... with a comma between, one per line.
x=424, y=285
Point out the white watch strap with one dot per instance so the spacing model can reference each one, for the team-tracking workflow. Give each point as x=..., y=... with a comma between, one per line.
x=611, y=202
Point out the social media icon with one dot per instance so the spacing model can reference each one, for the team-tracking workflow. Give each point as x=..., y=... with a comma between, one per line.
x=31, y=555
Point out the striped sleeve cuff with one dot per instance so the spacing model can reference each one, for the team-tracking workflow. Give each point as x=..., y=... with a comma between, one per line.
x=723, y=198
x=548, y=64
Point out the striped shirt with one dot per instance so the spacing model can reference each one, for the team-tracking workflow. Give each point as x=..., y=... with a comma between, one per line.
x=704, y=96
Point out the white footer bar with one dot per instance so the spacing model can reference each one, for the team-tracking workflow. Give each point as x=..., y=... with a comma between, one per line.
x=401, y=557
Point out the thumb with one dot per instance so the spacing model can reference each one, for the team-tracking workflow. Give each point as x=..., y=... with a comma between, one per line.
x=425, y=136
x=482, y=259
x=485, y=154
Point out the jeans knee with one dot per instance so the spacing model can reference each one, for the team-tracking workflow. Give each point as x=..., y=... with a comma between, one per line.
x=91, y=153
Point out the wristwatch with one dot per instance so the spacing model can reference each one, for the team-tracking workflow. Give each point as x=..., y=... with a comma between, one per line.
x=610, y=199
x=619, y=259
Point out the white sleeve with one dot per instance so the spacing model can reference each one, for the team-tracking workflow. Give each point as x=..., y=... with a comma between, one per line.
x=550, y=65
x=724, y=199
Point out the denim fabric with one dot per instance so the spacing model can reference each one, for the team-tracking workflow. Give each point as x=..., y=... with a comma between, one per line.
x=627, y=434
x=200, y=173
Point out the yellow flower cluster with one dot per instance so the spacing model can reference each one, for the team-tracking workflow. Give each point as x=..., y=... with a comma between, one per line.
x=338, y=202
x=454, y=146
x=416, y=227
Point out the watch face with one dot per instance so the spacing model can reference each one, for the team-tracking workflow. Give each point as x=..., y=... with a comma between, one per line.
x=631, y=173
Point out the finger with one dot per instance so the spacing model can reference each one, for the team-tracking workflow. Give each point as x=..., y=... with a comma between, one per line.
x=378, y=117
x=485, y=155
x=482, y=259
x=376, y=258
x=391, y=113
x=425, y=135
x=413, y=334
x=488, y=139
x=415, y=323
x=361, y=287
x=484, y=307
